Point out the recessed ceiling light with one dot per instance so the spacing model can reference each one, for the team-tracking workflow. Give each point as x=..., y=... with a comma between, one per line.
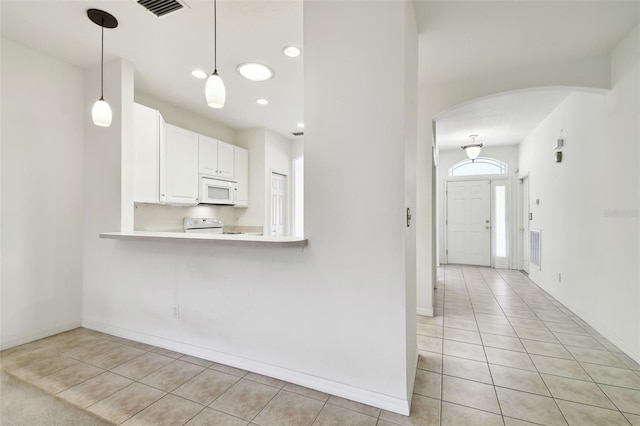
x=292, y=51
x=255, y=72
x=301, y=125
x=262, y=101
x=199, y=74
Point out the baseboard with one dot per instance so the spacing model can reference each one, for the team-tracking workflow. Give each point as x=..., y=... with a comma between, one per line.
x=342, y=390
x=425, y=312
x=28, y=338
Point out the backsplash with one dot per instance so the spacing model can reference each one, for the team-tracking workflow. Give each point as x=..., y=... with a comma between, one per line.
x=158, y=217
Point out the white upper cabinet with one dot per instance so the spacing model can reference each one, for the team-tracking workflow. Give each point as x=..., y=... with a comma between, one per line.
x=147, y=128
x=242, y=176
x=216, y=158
x=178, y=166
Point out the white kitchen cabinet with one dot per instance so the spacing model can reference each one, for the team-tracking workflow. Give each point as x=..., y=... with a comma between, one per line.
x=148, y=126
x=241, y=160
x=178, y=166
x=216, y=158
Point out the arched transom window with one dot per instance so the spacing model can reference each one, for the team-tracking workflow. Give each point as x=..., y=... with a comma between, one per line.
x=481, y=166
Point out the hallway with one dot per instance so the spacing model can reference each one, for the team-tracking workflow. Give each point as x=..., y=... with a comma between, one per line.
x=498, y=352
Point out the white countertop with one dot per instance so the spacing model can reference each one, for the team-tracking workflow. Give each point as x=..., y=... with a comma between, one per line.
x=234, y=239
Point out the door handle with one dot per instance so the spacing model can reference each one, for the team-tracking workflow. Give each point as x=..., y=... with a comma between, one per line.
x=487, y=227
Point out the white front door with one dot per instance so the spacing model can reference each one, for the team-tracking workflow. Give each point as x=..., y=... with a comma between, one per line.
x=278, y=185
x=468, y=222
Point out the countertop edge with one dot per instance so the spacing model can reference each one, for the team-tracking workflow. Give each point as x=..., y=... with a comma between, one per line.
x=240, y=240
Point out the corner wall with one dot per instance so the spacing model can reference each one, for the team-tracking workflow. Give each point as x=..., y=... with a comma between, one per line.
x=588, y=211
x=42, y=193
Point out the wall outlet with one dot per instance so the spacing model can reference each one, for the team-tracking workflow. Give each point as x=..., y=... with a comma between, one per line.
x=176, y=312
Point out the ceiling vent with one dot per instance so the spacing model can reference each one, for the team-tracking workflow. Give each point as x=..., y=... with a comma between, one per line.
x=161, y=7
x=298, y=133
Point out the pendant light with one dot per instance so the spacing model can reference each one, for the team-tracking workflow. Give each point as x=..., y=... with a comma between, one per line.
x=473, y=149
x=101, y=111
x=214, y=90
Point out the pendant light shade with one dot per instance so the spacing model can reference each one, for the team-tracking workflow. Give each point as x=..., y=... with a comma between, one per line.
x=215, y=91
x=472, y=150
x=101, y=111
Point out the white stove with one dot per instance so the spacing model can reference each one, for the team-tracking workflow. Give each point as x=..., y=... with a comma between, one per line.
x=210, y=225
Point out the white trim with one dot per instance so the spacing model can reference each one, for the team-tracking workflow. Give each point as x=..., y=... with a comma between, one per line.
x=353, y=393
x=425, y=312
x=21, y=340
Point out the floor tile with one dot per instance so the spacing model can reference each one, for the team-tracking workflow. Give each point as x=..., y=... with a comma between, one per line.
x=470, y=394
x=172, y=375
x=633, y=419
x=559, y=367
x=627, y=400
x=502, y=330
x=332, y=415
x=429, y=330
x=467, y=369
x=142, y=366
x=548, y=349
x=289, y=409
x=461, y=335
x=463, y=350
x=68, y=377
x=427, y=384
x=536, y=334
x=577, y=391
x=430, y=361
x=502, y=342
x=430, y=344
x=211, y=417
x=435, y=320
x=245, y=399
x=456, y=415
x=587, y=415
x=84, y=352
x=509, y=358
x=461, y=323
x=228, y=369
x=115, y=357
x=206, y=386
x=523, y=380
x=594, y=356
x=424, y=412
x=510, y=421
x=627, y=361
x=561, y=327
x=265, y=380
x=43, y=367
x=354, y=406
x=95, y=389
x=492, y=319
x=197, y=361
x=528, y=407
x=301, y=390
x=126, y=402
x=167, y=352
x=168, y=411
x=578, y=340
x=622, y=377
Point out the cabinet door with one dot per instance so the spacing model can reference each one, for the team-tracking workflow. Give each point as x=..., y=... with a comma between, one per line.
x=241, y=156
x=226, y=166
x=208, y=156
x=146, y=139
x=178, y=166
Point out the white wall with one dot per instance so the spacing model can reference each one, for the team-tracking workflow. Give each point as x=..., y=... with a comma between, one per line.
x=447, y=158
x=328, y=316
x=254, y=141
x=588, y=211
x=42, y=189
x=187, y=119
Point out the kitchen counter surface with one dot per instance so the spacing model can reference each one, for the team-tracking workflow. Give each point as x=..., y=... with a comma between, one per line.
x=233, y=239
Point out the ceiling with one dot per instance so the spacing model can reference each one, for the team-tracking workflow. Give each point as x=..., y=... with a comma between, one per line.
x=165, y=50
x=458, y=39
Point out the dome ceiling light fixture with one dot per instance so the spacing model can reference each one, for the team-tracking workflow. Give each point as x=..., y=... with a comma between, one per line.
x=292, y=51
x=255, y=72
x=473, y=149
x=101, y=111
x=215, y=91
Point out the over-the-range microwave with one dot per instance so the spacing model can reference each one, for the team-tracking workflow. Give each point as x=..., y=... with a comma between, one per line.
x=216, y=191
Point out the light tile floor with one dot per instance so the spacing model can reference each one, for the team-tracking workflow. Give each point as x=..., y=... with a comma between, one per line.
x=498, y=351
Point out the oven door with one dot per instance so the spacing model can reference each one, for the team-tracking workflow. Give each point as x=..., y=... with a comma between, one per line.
x=214, y=191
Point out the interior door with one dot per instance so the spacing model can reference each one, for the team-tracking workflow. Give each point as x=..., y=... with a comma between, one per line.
x=278, y=185
x=526, y=209
x=469, y=222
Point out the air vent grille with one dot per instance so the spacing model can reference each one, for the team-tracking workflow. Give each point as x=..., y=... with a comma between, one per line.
x=161, y=7
x=298, y=133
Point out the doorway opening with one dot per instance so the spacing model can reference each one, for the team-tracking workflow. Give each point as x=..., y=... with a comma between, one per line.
x=278, y=197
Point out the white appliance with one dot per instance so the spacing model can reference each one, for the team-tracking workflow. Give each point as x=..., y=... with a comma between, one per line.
x=209, y=225
x=216, y=191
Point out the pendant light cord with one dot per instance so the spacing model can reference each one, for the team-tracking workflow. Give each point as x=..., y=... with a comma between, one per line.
x=215, y=39
x=102, y=65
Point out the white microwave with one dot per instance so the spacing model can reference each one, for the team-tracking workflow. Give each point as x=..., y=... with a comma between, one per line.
x=216, y=191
